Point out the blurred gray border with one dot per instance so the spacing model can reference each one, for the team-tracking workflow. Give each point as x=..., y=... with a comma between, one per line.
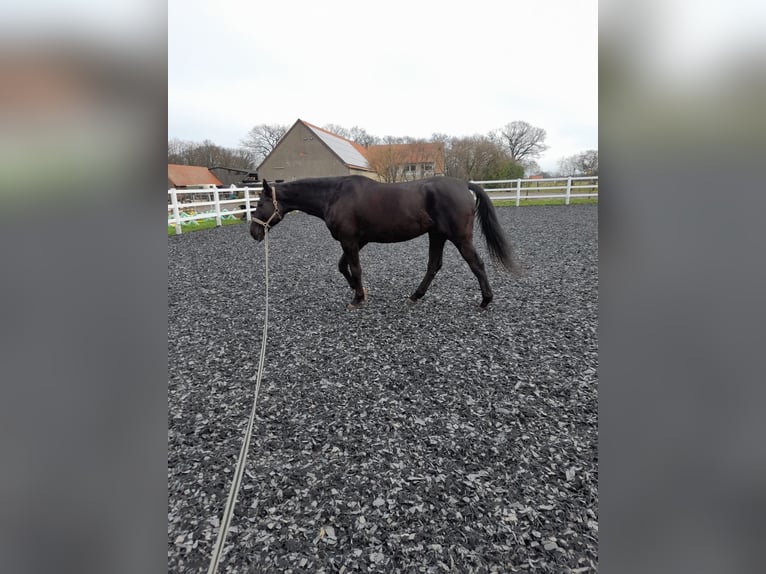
x=682, y=456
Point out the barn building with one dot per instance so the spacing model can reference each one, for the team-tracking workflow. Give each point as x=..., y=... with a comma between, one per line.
x=309, y=151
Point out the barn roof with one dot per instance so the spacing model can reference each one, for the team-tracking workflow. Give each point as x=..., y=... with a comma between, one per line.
x=350, y=153
x=185, y=175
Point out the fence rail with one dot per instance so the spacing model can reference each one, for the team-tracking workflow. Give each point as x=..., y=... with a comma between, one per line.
x=574, y=188
x=180, y=213
x=190, y=212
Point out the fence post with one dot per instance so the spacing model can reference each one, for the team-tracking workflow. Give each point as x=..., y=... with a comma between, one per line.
x=518, y=192
x=247, y=203
x=569, y=190
x=176, y=213
x=217, y=202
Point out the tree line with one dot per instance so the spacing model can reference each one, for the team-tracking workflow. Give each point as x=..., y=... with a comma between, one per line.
x=506, y=153
x=208, y=154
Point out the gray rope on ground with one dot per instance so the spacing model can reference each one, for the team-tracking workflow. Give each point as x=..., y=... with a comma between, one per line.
x=228, y=512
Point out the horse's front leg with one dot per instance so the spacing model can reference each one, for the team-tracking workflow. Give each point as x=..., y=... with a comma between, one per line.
x=351, y=253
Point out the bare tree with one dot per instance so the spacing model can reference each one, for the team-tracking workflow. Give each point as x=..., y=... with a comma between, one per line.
x=588, y=161
x=337, y=130
x=583, y=163
x=355, y=134
x=568, y=166
x=531, y=167
x=360, y=136
x=262, y=139
x=176, y=148
x=461, y=157
x=399, y=140
x=386, y=160
x=523, y=141
x=477, y=157
x=207, y=154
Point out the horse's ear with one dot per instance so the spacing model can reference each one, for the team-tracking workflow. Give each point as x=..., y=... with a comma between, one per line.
x=266, y=188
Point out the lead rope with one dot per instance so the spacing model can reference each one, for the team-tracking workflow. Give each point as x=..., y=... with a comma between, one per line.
x=228, y=512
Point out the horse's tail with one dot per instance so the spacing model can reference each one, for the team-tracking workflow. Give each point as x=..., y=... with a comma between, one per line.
x=499, y=247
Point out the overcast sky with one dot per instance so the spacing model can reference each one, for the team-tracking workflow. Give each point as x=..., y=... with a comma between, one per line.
x=399, y=68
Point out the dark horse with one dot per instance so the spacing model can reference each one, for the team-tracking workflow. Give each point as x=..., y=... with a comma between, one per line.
x=358, y=211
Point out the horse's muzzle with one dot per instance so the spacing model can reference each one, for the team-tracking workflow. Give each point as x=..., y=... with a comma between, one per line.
x=256, y=231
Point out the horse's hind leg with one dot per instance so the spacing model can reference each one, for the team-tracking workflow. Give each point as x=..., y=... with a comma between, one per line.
x=343, y=268
x=435, y=252
x=468, y=251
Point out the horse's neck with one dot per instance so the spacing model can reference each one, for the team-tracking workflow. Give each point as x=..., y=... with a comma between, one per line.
x=311, y=201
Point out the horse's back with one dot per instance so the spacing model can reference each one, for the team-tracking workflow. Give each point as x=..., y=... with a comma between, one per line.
x=407, y=198
x=443, y=187
x=391, y=212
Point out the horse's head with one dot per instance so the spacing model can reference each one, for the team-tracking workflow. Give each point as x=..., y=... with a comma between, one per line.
x=267, y=212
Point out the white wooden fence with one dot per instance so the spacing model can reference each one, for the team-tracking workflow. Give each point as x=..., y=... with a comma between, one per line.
x=525, y=189
x=186, y=213
x=182, y=213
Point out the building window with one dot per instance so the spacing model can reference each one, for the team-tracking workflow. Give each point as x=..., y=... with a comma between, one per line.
x=410, y=171
x=428, y=169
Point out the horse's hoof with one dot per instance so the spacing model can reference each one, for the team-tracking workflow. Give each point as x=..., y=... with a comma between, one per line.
x=356, y=304
x=411, y=302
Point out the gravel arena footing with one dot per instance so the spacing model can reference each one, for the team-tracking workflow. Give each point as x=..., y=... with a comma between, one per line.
x=434, y=437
